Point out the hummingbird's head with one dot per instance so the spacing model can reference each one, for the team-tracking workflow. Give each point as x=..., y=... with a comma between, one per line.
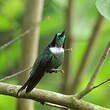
x=58, y=40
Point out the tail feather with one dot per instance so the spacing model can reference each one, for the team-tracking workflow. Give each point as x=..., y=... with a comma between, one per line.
x=23, y=87
x=31, y=83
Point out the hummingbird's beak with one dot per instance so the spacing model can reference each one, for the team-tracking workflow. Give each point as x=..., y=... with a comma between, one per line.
x=62, y=34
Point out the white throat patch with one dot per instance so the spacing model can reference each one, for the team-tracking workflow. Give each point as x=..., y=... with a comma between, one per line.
x=56, y=50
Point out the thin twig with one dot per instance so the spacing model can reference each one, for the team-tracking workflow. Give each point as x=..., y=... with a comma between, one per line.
x=15, y=74
x=101, y=61
x=100, y=84
x=87, y=55
x=80, y=95
x=93, y=78
x=15, y=39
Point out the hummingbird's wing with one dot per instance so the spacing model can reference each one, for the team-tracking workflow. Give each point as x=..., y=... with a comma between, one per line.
x=38, y=71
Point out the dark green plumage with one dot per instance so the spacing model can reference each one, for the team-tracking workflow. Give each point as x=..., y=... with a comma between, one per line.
x=51, y=58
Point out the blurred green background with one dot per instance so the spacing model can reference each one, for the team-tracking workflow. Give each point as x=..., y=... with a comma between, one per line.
x=54, y=20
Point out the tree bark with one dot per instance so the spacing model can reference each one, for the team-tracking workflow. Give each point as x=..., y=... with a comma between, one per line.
x=69, y=44
x=47, y=96
x=30, y=45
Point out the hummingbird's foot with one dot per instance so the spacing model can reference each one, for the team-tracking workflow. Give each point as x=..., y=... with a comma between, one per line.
x=62, y=71
x=57, y=70
x=42, y=102
x=70, y=49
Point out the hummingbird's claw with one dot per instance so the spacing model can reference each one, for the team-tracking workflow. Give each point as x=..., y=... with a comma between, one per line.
x=70, y=49
x=62, y=71
x=57, y=70
x=42, y=103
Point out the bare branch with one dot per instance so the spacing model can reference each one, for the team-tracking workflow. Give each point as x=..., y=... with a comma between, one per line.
x=47, y=96
x=33, y=15
x=93, y=78
x=69, y=44
x=107, y=80
x=89, y=50
x=15, y=74
x=85, y=92
x=16, y=39
x=101, y=61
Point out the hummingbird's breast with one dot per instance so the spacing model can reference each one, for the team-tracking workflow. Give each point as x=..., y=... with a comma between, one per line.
x=58, y=56
x=56, y=50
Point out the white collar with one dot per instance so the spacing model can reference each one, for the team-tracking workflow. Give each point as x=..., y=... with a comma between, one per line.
x=56, y=50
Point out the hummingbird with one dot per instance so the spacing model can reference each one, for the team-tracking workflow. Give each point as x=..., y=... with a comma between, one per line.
x=49, y=61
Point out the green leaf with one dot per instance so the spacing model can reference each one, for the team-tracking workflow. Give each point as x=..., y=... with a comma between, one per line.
x=103, y=7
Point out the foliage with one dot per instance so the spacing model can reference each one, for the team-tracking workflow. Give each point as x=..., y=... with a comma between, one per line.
x=54, y=20
x=103, y=7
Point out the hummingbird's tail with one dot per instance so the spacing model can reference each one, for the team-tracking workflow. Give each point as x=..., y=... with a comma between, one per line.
x=23, y=87
x=31, y=82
